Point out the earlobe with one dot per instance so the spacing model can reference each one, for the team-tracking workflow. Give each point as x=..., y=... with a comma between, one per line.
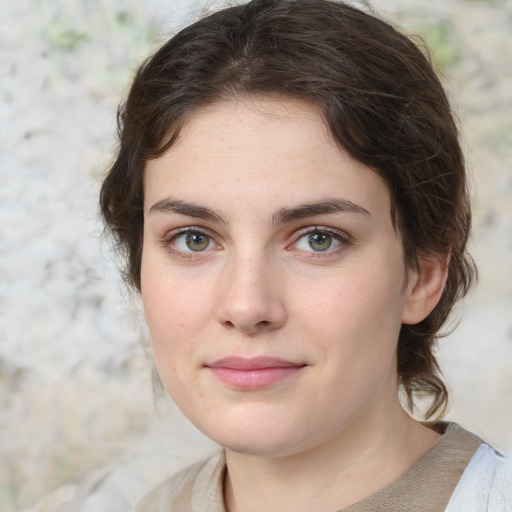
x=425, y=288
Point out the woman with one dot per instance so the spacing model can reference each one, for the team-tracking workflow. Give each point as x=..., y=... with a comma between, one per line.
x=291, y=196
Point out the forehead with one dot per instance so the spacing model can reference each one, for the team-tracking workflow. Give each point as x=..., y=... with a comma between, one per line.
x=268, y=126
x=261, y=151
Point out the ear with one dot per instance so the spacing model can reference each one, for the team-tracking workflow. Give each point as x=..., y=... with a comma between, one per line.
x=425, y=288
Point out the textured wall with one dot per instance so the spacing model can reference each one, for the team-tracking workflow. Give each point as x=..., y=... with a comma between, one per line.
x=77, y=412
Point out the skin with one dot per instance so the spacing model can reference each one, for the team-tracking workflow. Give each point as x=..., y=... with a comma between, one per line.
x=249, y=281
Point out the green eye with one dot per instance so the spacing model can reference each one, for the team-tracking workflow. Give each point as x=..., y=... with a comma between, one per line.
x=320, y=241
x=197, y=241
x=192, y=241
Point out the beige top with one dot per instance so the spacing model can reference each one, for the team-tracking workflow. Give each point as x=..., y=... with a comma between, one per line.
x=425, y=487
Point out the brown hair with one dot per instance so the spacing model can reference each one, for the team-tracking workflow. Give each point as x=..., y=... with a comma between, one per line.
x=380, y=99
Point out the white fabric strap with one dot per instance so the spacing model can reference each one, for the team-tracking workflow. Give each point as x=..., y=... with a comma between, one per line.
x=485, y=485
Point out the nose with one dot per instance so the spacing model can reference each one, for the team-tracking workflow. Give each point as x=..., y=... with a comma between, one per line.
x=251, y=298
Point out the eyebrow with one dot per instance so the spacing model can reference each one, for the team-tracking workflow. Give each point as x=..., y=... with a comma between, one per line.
x=282, y=216
x=325, y=207
x=189, y=209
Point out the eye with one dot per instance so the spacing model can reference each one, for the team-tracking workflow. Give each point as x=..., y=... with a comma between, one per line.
x=320, y=241
x=192, y=241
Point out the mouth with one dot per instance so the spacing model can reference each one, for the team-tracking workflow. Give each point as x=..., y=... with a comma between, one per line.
x=253, y=373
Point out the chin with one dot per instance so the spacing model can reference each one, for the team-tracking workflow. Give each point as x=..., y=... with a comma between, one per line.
x=248, y=434
x=259, y=440
x=260, y=446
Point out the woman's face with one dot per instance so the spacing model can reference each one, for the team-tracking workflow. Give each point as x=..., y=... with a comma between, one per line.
x=273, y=281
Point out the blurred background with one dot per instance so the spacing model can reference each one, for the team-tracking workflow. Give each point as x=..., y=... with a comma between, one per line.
x=80, y=427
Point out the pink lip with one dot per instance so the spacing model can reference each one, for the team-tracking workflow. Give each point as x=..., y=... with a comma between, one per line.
x=253, y=373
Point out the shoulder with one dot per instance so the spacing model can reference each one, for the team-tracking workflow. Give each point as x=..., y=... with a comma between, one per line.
x=485, y=485
x=195, y=488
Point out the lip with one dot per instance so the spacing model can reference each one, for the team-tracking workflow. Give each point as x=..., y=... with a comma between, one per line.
x=253, y=373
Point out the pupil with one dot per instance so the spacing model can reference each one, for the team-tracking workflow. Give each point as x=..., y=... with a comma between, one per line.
x=197, y=241
x=320, y=241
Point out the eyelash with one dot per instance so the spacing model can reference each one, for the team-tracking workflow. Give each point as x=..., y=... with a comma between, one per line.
x=341, y=237
x=168, y=242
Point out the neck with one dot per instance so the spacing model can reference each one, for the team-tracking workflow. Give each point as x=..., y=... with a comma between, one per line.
x=356, y=463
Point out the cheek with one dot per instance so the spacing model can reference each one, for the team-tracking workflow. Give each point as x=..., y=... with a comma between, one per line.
x=171, y=338
x=178, y=310
x=163, y=311
x=170, y=299
x=172, y=316
x=356, y=319
x=358, y=299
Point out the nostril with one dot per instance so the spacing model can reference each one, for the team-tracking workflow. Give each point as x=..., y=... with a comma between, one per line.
x=251, y=316
x=263, y=325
